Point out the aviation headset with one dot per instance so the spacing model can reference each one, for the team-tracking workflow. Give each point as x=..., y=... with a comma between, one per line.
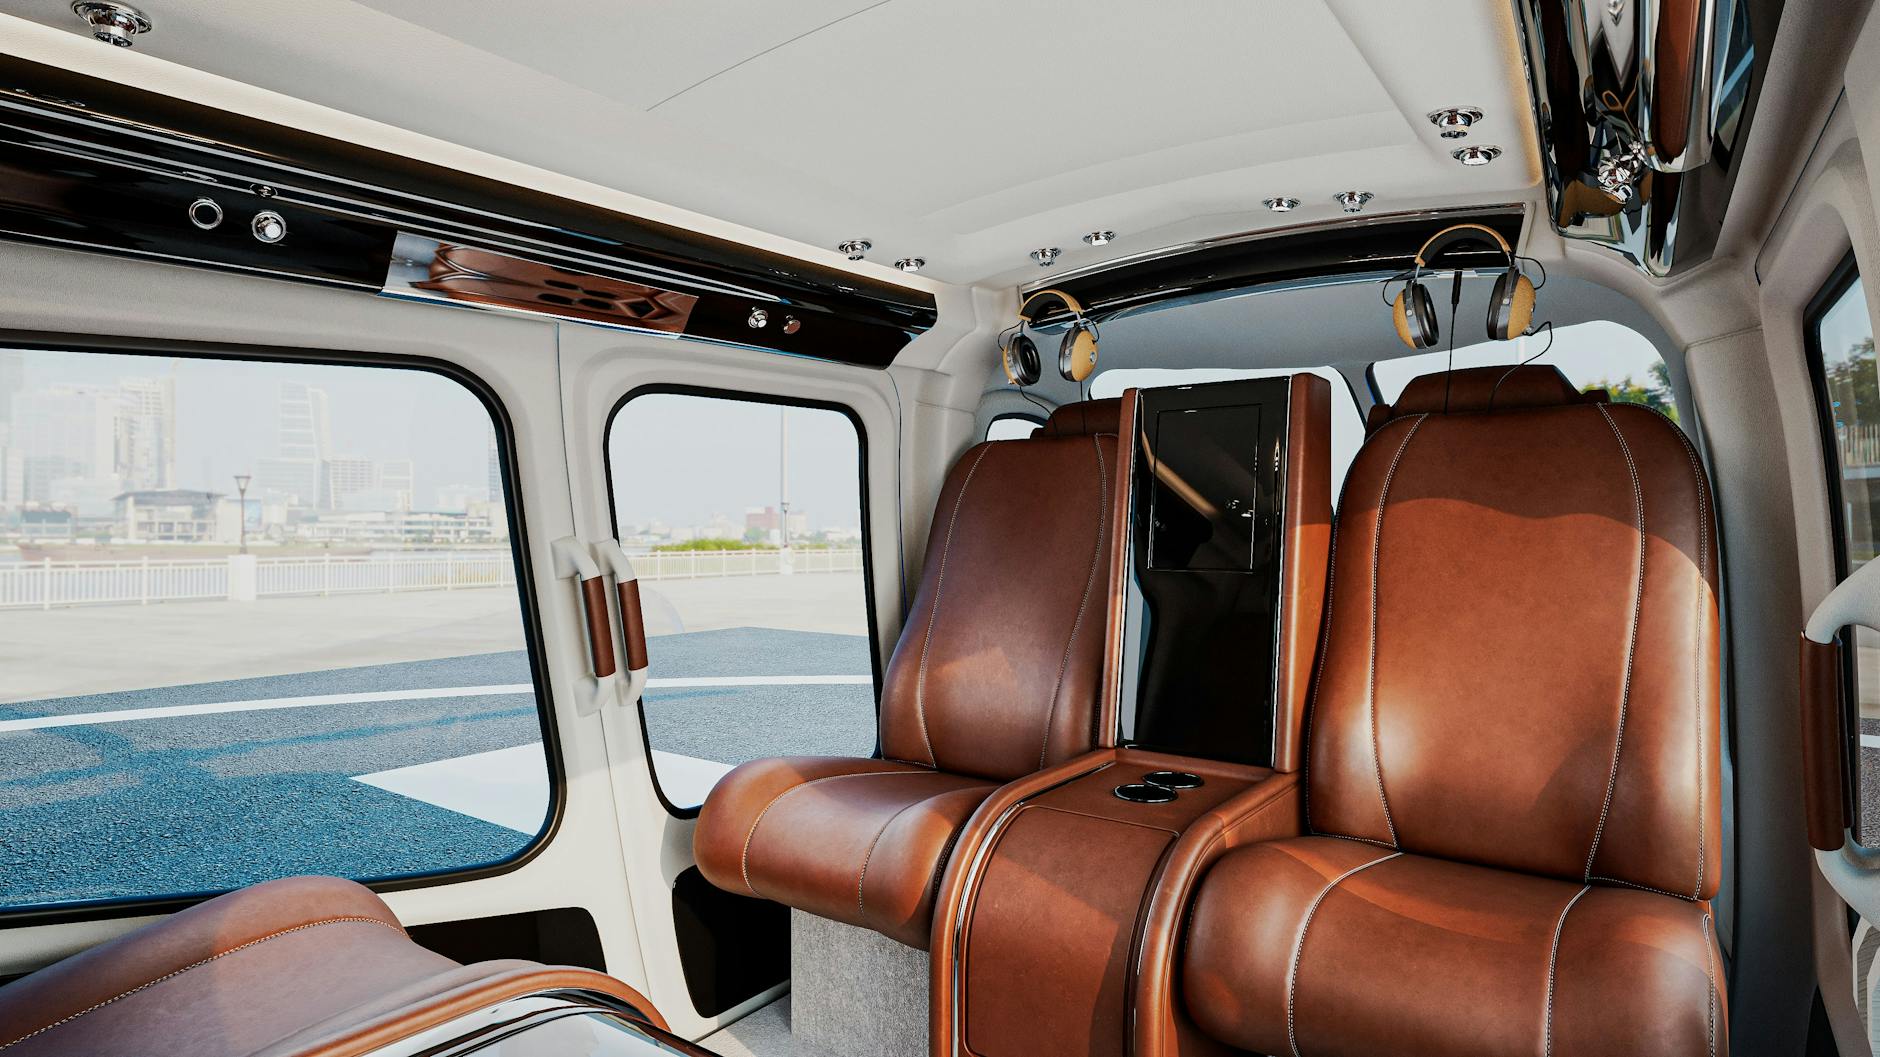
x=1077, y=350
x=1510, y=307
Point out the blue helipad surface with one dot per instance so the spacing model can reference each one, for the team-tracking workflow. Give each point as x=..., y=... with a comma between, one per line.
x=183, y=804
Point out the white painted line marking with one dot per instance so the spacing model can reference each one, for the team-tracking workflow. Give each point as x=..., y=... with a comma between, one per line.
x=130, y=715
x=506, y=787
x=764, y=680
x=1870, y=741
x=509, y=787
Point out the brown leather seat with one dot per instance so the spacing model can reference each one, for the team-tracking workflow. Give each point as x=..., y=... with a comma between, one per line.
x=1512, y=765
x=305, y=965
x=996, y=675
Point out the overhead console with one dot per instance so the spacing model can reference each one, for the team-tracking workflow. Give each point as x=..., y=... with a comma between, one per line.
x=1061, y=909
x=96, y=165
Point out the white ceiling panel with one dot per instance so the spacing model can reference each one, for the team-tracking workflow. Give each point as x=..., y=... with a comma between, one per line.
x=967, y=132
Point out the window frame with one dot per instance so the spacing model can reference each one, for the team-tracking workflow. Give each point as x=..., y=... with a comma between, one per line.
x=526, y=595
x=867, y=508
x=1002, y=416
x=1833, y=289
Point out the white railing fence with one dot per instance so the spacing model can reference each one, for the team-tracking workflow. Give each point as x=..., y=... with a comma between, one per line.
x=46, y=584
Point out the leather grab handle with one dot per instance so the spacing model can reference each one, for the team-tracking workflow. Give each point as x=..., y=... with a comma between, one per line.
x=632, y=625
x=600, y=629
x=1824, y=778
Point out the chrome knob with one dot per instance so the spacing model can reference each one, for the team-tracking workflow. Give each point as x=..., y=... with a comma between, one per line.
x=269, y=226
x=758, y=319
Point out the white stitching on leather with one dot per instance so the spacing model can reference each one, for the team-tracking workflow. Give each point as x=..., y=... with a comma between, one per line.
x=1642, y=888
x=933, y=614
x=862, y=878
x=744, y=859
x=1090, y=580
x=1710, y=997
x=1377, y=547
x=1553, y=959
x=1631, y=644
x=1299, y=946
x=338, y=920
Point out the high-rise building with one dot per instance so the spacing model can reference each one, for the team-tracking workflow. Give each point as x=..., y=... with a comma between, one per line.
x=145, y=433
x=347, y=476
x=12, y=382
x=64, y=438
x=496, y=471
x=397, y=479
x=297, y=475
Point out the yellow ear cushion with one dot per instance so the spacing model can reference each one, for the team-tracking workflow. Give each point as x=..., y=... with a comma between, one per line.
x=1521, y=306
x=1083, y=354
x=1400, y=319
x=1005, y=359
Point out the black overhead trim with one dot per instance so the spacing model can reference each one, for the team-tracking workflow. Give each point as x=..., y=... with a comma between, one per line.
x=1382, y=245
x=99, y=165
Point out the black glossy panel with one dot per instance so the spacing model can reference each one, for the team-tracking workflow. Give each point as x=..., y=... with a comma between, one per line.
x=1206, y=495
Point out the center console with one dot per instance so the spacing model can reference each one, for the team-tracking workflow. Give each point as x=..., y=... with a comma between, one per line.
x=1060, y=911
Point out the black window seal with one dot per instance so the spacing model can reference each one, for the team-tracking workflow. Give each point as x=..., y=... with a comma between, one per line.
x=868, y=571
x=529, y=603
x=1833, y=289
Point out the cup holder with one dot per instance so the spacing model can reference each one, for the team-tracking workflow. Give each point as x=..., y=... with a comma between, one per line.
x=1144, y=793
x=1173, y=779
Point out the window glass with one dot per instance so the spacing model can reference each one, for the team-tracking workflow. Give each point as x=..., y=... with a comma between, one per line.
x=256, y=619
x=1596, y=355
x=1347, y=424
x=1012, y=427
x=743, y=519
x=1841, y=336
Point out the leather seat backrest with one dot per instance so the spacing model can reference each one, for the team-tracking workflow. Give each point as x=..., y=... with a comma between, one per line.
x=1521, y=638
x=998, y=669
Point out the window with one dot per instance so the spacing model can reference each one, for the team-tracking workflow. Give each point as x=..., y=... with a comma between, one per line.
x=1347, y=424
x=256, y=619
x=745, y=522
x=1012, y=427
x=1847, y=388
x=1597, y=355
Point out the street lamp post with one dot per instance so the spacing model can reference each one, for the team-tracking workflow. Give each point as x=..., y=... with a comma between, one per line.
x=241, y=512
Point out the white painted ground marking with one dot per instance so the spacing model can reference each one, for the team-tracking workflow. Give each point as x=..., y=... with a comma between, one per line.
x=1870, y=741
x=509, y=787
x=129, y=715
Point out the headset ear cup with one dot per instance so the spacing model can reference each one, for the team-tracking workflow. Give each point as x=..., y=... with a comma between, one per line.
x=1420, y=317
x=1077, y=353
x=1521, y=306
x=1021, y=361
x=1400, y=317
x=1510, y=306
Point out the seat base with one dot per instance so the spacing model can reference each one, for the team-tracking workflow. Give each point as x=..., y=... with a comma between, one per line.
x=1329, y=946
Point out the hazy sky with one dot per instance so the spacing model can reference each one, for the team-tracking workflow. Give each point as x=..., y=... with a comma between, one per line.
x=227, y=416
x=680, y=459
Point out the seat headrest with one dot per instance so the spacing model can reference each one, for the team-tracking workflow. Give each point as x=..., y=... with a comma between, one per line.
x=1483, y=388
x=1083, y=418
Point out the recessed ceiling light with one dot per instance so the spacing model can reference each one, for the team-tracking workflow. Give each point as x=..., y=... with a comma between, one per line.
x=1046, y=256
x=911, y=264
x=1280, y=204
x=1100, y=238
x=1454, y=122
x=1352, y=201
x=1478, y=155
x=855, y=249
x=115, y=24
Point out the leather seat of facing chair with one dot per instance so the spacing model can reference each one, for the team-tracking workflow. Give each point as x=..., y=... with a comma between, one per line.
x=996, y=675
x=1512, y=763
x=297, y=967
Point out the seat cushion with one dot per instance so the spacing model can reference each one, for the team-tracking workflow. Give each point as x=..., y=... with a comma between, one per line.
x=300, y=965
x=861, y=841
x=1326, y=946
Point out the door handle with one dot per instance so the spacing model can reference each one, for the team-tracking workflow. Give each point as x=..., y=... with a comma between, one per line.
x=574, y=562
x=632, y=619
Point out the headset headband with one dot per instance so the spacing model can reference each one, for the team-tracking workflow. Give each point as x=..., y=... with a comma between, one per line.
x=1453, y=234
x=1024, y=310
